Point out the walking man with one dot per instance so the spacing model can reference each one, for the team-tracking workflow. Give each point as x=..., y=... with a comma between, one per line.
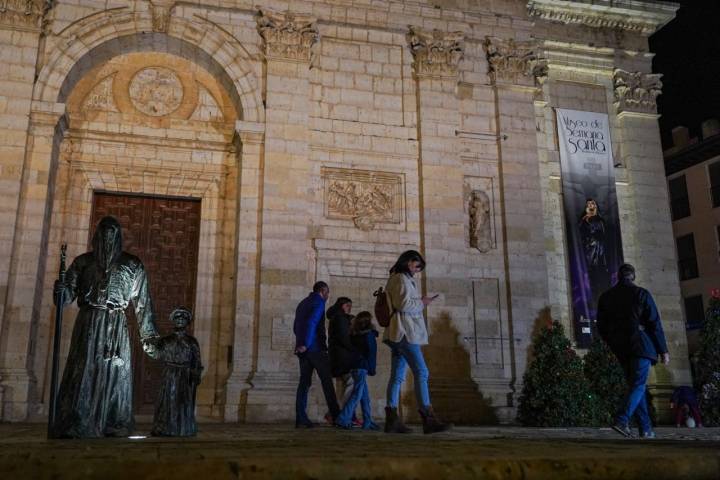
x=629, y=322
x=312, y=352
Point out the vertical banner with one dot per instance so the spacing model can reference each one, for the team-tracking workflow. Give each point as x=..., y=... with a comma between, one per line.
x=592, y=222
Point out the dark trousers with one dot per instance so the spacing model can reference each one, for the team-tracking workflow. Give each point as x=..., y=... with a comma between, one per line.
x=319, y=362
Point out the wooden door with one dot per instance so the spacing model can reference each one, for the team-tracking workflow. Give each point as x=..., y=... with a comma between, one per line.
x=164, y=233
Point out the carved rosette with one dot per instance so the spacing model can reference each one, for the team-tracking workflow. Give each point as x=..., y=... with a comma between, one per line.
x=367, y=198
x=436, y=53
x=24, y=14
x=287, y=35
x=636, y=91
x=511, y=62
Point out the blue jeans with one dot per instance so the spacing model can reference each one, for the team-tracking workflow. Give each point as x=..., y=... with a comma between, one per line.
x=360, y=393
x=319, y=362
x=404, y=354
x=636, y=374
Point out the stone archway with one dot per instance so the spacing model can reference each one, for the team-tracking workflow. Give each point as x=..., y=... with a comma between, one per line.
x=56, y=143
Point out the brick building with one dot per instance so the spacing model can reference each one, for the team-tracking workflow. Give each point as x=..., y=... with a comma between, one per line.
x=250, y=148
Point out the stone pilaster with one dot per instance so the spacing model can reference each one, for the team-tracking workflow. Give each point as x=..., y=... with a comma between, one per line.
x=287, y=204
x=249, y=139
x=648, y=240
x=27, y=262
x=436, y=62
x=514, y=71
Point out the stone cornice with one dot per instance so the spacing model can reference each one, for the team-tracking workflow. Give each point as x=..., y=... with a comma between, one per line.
x=24, y=14
x=636, y=92
x=436, y=53
x=287, y=35
x=514, y=62
x=636, y=16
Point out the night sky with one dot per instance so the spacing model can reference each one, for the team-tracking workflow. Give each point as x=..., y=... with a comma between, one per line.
x=688, y=55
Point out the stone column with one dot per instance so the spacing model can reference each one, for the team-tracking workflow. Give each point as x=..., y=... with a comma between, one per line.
x=513, y=68
x=648, y=239
x=27, y=262
x=20, y=27
x=287, y=206
x=249, y=137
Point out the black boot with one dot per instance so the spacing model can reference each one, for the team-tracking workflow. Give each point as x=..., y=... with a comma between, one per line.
x=393, y=422
x=432, y=424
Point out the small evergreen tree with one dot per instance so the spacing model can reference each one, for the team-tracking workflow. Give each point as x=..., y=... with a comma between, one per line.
x=555, y=391
x=707, y=379
x=606, y=379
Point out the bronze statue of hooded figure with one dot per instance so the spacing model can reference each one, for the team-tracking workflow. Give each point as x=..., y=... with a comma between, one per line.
x=95, y=396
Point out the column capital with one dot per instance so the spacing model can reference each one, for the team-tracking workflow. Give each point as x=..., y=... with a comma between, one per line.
x=512, y=62
x=636, y=92
x=24, y=14
x=287, y=35
x=436, y=53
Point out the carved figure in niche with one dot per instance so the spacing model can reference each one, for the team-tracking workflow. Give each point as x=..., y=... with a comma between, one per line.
x=95, y=395
x=175, y=405
x=480, y=228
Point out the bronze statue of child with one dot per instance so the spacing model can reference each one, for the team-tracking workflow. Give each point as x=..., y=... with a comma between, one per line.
x=175, y=404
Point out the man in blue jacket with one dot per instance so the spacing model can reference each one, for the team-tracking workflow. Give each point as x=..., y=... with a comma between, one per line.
x=629, y=322
x=311, y=349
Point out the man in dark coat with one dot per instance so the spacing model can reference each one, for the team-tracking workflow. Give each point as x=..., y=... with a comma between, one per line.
x=629, y=322
x=311, y=349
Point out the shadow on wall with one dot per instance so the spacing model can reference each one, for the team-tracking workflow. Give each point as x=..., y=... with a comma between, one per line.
x=453, y=392
x=543, y=320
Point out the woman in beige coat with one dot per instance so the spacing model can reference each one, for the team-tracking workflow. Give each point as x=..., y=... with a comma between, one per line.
x=405, y=335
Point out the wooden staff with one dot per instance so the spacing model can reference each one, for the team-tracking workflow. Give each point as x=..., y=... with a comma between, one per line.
x=59, y=304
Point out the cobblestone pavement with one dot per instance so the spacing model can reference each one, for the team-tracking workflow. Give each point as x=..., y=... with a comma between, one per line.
x=229, y=451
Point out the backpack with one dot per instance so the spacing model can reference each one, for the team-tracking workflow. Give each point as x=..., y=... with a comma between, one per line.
x=383, y=312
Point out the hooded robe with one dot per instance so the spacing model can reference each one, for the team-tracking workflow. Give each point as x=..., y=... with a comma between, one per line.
x=96, y=392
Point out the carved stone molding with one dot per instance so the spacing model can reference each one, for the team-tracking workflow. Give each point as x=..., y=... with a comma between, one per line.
x=636, y=91
x=365, y=197
x=161, y=11
x=514, y=62
x=436, y=53
x=287, y=35
x=627, y=15
x=24, y=14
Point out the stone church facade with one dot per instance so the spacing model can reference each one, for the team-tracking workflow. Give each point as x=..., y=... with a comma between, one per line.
x=318, y=139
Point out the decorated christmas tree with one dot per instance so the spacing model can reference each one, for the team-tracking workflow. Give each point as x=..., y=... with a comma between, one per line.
x=555, y=391
x=607, y=381
x=707, y=378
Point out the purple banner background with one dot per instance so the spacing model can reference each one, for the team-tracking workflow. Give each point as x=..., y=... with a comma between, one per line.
x=594, y=243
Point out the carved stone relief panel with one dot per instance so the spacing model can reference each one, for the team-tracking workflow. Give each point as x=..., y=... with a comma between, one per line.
x=368, y=198
x=101, y=96
x=480, y=209
x=151, y=88
x=156, y=91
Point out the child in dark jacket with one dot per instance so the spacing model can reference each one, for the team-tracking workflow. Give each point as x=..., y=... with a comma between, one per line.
x=363, y=339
